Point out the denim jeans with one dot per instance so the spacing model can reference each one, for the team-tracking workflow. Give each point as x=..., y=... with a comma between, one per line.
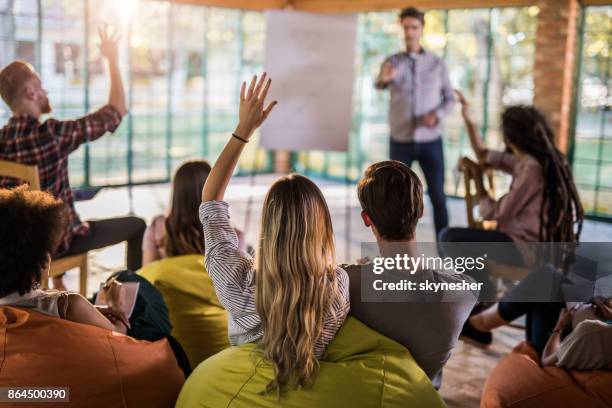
x=430, y=157
x=540, y=319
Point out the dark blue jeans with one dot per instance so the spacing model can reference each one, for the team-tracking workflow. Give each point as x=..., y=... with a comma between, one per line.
x=540, y=319
x=430, y=157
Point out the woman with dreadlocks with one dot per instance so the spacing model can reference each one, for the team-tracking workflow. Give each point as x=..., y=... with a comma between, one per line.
x=542, y=205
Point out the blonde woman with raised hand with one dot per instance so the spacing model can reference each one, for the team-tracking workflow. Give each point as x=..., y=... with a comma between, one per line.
x=297, y=300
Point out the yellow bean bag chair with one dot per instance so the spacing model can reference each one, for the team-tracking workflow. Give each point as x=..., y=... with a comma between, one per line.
x=101, y=368
x=360, y=368
x=199, y=321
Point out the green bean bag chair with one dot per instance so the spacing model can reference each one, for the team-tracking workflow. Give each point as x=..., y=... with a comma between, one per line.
x=199, y=321
x=360, y=368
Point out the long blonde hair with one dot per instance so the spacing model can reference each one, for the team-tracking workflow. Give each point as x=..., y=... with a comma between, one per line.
x=295, y=279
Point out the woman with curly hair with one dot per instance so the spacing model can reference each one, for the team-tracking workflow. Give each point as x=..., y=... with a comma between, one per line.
x=32, y=227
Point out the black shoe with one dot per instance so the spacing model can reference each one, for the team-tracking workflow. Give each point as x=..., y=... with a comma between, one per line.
x=478, y=338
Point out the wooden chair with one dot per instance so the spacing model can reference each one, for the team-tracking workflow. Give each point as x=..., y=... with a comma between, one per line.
x=29, y=174
x=471, y=199
x=61, y=265
x=497, y=269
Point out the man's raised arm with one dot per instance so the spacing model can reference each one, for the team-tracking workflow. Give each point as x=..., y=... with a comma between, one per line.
x=109, y=49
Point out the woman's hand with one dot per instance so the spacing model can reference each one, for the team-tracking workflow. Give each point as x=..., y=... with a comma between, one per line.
x=117, y=318
x=475, y=140
x=564, y=321
x=113, y=293
x=465, y=105
x=602, y=309
x=252, y=112
x=252, y=115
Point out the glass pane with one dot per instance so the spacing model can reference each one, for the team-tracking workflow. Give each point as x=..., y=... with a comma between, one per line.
x=63, y=66
x=108, y=156
x=593, y=132
x=188, y=83
x=151, y=66
x=492, y=67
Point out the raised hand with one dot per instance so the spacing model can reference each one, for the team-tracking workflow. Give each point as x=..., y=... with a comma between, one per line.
x=252, y=112
x=465, y=105
x=252, y=115
x=475, y=140
x=387, y=72
x=108, y=44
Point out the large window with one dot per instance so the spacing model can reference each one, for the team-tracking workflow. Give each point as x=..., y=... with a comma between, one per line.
x=182, y=66
x=19, y=35
x=592, y=151
x=489, y=54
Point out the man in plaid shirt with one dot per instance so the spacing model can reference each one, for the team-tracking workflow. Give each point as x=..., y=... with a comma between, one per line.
x=24, y=139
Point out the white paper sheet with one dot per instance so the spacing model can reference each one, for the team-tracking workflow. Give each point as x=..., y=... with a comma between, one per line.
x=310, y=58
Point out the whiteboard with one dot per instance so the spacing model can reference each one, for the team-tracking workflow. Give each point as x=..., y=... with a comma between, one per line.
x=311, y=60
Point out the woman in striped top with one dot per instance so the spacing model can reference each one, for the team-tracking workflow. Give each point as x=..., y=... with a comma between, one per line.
x=298, y=299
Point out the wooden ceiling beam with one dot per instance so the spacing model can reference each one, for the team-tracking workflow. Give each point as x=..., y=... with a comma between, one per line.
x=374, y=5
x=237, y=4
x=339, y=6
x=348, y=6
x=596, y=2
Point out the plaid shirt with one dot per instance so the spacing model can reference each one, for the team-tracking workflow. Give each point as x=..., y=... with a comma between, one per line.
x=25, y=140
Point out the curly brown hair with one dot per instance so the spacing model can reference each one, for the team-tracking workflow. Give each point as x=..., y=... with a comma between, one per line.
x=32, y=226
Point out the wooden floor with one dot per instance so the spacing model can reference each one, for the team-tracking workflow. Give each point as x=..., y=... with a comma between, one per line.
x=469, y=366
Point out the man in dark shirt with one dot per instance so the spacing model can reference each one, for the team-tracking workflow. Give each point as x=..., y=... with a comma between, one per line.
x=24, y=139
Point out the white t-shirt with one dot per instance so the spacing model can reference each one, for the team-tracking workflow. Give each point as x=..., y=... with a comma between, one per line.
x=587, y=347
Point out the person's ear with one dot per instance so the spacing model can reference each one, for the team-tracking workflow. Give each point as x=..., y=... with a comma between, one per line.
x=46, y=269
x=367, y=221
x=30, y=93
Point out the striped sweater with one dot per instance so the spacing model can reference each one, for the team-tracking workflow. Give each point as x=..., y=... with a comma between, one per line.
x=233, y=274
